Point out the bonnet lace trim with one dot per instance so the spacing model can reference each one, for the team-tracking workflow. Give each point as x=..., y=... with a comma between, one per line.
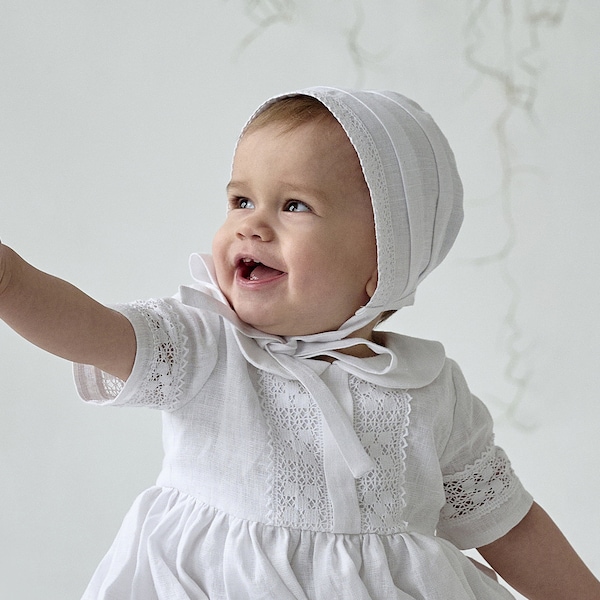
x=375, y=176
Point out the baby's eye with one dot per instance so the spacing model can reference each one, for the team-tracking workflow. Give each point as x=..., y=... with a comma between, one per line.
x=242, y=203
x=296, y=206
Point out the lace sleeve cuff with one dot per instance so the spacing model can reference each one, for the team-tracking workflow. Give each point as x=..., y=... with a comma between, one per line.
x=161, y=359
x=483, y=502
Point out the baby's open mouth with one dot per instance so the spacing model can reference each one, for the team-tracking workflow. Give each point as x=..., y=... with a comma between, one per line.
x=252, y=270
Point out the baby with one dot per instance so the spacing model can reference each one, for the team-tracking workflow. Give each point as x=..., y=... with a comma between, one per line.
x=307, y=454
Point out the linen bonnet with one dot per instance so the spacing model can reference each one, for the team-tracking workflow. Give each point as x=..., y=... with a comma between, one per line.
x=416, y=192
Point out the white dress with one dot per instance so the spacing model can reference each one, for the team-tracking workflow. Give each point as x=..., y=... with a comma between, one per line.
x=254, y=500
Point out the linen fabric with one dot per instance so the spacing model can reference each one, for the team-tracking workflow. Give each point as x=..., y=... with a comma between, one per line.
x=243, y=506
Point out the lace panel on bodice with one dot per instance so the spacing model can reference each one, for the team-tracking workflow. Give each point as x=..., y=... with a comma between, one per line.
x=297, y=481
x=298, y=491
x=381, y=419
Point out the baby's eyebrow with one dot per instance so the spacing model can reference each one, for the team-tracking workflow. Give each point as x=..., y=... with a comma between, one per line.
x=232, y=185
x=303, y=190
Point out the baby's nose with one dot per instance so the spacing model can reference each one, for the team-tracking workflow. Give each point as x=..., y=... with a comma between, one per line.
x=255, y=226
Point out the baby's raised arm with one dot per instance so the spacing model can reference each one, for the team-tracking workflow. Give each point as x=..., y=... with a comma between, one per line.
x=61, y=319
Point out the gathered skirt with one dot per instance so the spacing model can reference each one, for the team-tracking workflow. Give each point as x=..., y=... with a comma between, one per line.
x=171, y=546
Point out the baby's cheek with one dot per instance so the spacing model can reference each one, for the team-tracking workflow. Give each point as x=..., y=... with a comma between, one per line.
x=219, y=244
x=219, y=258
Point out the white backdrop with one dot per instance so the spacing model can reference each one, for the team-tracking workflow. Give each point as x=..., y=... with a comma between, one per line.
x=117, y=122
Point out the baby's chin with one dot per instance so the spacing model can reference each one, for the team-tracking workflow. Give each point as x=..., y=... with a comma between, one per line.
x=288, y=330
x=281, y=325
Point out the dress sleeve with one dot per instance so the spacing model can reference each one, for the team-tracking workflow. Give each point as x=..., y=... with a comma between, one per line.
x=484, y=497
x=176, y=352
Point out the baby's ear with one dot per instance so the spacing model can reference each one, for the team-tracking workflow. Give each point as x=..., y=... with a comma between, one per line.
x=372, y=284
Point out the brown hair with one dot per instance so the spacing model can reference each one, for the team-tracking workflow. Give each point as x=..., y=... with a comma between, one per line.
x=290, y=112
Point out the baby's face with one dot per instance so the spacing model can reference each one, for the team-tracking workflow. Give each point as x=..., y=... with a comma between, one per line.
x=297, y=253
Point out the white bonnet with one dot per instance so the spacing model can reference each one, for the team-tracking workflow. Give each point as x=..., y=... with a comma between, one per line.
x=415, y=188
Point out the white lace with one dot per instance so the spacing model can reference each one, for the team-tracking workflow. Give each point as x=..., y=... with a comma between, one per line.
x=480, y=488
x=375, y=174
x=111, y=385
x=381, y=419
x=162, y=388
x=298, y=495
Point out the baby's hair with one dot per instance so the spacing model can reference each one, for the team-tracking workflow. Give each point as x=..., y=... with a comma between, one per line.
x=290, y=113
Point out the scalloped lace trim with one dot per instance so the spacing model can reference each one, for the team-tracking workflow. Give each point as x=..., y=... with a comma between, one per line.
x=480, y=488
x=162, y=387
